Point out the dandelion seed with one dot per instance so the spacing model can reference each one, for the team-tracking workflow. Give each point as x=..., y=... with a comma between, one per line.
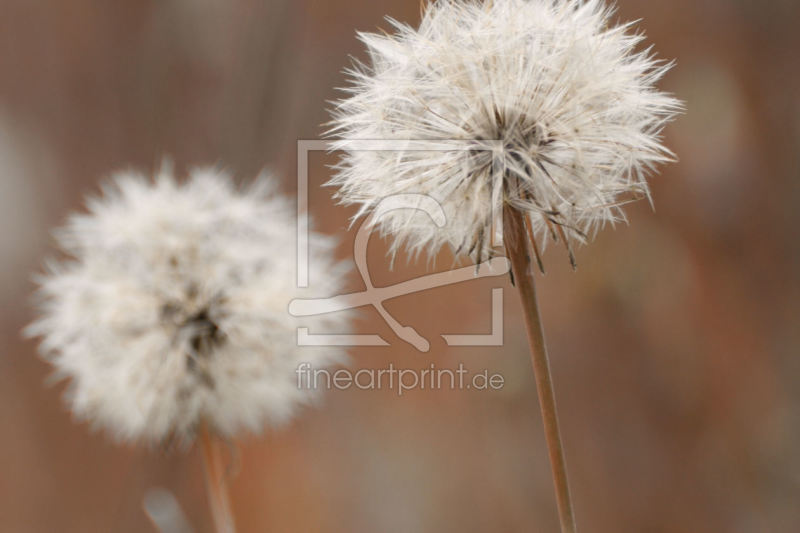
x=171, y=313
x=564, y=93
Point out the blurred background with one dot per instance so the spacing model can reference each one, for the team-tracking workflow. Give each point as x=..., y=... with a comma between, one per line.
x=675, y=345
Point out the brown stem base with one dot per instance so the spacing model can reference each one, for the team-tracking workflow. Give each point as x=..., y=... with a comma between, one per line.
x=519, y=254
x=215, y=482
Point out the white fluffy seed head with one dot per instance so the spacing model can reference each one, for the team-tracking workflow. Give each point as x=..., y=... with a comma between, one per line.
x=172, y=310
x=556, y=107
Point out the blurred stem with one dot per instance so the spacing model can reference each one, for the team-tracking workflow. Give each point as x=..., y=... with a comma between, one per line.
x=215, y=482
x=522, y=268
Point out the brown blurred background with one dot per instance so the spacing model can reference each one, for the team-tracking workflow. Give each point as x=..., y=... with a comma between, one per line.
x=675, y=345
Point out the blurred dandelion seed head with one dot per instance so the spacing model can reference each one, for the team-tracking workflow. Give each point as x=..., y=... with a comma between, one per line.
x=568, y=95
x=172, y=310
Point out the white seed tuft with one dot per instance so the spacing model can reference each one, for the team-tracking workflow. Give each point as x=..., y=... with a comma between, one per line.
x=557, y=108
x=172, y=311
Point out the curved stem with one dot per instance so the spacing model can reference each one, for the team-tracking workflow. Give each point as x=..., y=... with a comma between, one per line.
x=215, y=482
x=518, y=253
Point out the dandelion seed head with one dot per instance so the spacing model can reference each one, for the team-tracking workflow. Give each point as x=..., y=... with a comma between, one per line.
x=557, y=109
x=171, y=310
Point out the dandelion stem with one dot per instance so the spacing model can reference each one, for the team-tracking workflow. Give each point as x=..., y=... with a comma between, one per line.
x=519, y=255
x=215, y=482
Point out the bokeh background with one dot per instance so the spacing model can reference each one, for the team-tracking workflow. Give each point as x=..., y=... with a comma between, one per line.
x=675, y=345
